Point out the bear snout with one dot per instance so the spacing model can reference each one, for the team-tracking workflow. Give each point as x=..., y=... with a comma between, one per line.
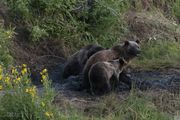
x=134, y=52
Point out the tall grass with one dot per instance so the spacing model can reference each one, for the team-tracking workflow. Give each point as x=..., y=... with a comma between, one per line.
x=133, y=107
x=159, y=54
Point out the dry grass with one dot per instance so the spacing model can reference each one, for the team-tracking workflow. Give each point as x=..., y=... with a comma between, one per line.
x=150, y=25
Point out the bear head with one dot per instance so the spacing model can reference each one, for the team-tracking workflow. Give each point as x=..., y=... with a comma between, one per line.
x=132, y=48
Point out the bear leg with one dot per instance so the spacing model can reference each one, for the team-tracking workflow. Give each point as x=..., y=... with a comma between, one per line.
x=123, y=77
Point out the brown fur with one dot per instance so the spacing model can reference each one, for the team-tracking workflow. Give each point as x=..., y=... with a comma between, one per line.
x=103, y=76
x=128, y=51
x=76, y=62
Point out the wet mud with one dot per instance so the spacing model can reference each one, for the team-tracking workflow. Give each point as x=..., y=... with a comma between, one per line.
x=143, y=80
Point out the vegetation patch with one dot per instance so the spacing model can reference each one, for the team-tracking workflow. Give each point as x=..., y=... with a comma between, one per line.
x=157, y=54
x=74, y=23
x=21, y=100
x=5, y=39
x=133, y=106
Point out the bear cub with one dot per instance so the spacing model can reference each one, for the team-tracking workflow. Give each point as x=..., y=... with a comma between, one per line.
x=104, y=76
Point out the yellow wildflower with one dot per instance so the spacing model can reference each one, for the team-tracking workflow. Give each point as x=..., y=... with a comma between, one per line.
x=1, y=87
x=44, y=71
x=7, y=80
x=44, y=77
x=42, y=104
x=31, y=91
x=18, y=79
x=24, y=65
x=14, y=71
x=24, y=71
x=48, y=114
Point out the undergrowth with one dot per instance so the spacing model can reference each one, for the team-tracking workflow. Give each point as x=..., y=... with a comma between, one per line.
x=21, y=100
x=176, y=9
x=73, y=22
x=133, y=107
x=5, y=39
x=158, y=54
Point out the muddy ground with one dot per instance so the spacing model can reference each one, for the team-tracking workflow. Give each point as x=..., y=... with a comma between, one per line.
x=160, y=85
x=161, y=79
x=149, y=81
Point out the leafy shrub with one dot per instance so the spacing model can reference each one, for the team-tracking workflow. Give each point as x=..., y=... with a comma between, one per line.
x=5, y=37
x=74, y=22
x=21, y=100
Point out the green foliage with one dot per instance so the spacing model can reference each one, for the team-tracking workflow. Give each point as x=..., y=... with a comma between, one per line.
x=37, y=33
x=159, y=53
x=134, y=107
x=137, y=108
x=176, y=8
x=73, y=22
x=5, y=37
x=106, y=21
x=21, y=100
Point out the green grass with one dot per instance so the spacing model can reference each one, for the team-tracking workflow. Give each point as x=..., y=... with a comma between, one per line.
x=133, y=107
x=159, y=54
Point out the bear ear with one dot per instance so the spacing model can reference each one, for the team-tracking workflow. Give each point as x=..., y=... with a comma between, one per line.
x=137, y=41
x=126, y=43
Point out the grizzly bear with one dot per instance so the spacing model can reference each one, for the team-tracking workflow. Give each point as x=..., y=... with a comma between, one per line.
x=76, y=62
x=103, y=76
x=128, y=51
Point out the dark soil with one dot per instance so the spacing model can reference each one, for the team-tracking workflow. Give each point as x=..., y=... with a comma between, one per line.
x=142, y=80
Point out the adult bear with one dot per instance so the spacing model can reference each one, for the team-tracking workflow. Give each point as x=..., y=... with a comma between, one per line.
x=76, y=62
x=128, y=51
x=103, y=76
